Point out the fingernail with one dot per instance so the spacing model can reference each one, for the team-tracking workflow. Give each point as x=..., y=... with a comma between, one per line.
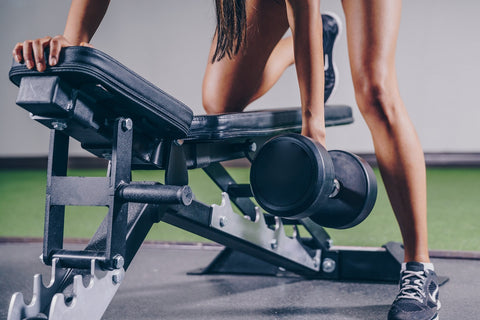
x=17, y=58
x=53, y=61
x=29, y=64
x=40, y=67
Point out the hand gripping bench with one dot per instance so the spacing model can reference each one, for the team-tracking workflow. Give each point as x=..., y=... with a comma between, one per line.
x=117, y=115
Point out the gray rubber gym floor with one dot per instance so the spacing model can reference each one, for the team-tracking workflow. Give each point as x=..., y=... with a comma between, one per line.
x=157, y=287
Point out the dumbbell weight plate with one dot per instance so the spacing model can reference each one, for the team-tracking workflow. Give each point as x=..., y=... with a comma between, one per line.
x=291, y=175
x=357, y=194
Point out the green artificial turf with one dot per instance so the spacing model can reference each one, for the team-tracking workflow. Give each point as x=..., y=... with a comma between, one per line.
x=453, y=198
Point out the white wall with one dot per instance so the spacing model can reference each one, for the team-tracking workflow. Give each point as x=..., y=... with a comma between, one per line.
x=167, y=42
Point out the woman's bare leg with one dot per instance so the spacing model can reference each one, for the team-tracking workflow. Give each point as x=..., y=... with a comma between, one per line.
x=372, y=29
x=231, y=84
x=281, y=58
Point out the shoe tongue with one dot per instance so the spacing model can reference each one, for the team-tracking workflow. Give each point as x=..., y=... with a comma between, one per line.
x=415, y=266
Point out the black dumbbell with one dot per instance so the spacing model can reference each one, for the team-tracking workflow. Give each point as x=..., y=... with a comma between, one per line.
x=294, y=177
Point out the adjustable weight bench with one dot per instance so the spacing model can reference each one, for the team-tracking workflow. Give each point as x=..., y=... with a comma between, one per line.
x=119, y=116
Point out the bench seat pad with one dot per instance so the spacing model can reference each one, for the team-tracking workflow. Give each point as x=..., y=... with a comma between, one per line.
x=260, y=123
x=118, y=91
x=114, y=86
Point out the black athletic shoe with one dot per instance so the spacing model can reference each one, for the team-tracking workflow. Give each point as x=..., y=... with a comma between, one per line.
x=418, y=297
x=331, y=30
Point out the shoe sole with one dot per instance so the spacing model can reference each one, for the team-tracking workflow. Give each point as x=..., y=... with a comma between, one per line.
x=335, y=69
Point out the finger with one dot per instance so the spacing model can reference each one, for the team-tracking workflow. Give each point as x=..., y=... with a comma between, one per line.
x=55, y=48
x=17, y=52
x=39, y=55
x=28, y=54
x=39, y=46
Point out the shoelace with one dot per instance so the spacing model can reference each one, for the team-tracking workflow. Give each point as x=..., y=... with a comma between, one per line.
x=412, y=285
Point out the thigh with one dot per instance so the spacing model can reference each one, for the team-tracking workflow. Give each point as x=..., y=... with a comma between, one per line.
x=372, y=31
x=229, y=84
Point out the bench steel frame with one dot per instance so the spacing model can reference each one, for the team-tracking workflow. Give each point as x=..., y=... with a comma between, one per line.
x=251, y=236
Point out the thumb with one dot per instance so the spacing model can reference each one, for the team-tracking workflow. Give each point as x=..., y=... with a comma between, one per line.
x=86, y=44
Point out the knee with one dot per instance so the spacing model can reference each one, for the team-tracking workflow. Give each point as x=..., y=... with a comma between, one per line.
x=211, y=99
x=211, y=104
x=378, y=100
x=217, y=98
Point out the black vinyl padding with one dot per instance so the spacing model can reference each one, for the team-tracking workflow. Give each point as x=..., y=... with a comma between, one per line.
x=260, y=123
x=120, y=92
x=130, y=94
